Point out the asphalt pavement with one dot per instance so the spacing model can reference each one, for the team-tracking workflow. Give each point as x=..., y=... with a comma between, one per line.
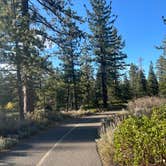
x=69, y=144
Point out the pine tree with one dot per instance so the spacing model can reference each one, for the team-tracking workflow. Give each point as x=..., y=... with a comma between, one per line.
x=133, y=78
x=7, y=88
x=126, y=89
x=87, y=80
x=152, y=83
x=20, y=47
x=107, y=44
x=161, y=68
x=10, y=42
x=98, y=90
x=64, y=32
x=69, y=55
x=51, y=91
x=161, y=73
x=141, y=84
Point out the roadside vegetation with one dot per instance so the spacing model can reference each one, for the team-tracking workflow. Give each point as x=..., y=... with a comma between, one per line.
x=141, y=140
x=138, y=138
x=80, y=113
x=144, y=105
x=12, y=129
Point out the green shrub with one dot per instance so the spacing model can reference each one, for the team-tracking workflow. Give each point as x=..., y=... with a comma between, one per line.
x=141, y=140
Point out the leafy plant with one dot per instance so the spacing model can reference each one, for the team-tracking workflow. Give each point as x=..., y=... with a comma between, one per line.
x=141, y=140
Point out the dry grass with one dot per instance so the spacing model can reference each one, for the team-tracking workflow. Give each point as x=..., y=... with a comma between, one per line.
x=144, y=105
x=6, y=143
x=79, y=113
x=106, y=147
x=12, y=129
x=105, y=144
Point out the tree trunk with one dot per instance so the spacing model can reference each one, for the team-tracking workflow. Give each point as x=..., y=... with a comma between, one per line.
x=74, y=90
x=68, y=97
x=29, y=95
x=104, y=85
x=25, y=98
x=20, y=92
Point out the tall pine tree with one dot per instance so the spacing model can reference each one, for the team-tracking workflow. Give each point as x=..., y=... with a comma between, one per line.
x=107, y=45
x=152, y=83
x=87, y=76
x=161, y=68
x=20, y=48
x=141, y=84
x=133, y=78
x=69, y=55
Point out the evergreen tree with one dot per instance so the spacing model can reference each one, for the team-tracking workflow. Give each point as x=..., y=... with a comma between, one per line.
x=161, y=73
x=63, y=31
x=161, y=68
x=10, y=43
x=152, y=83
x=69, y=55
x=133, y=78
x=7, y=88
x=98, y=90
x=107, y=44
x=51, y=91
x=20, y=47
x=126, y=89
x=87, y=74
x=141, y=84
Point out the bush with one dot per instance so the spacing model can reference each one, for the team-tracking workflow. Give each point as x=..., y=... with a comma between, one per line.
x=6, y=143
x=9, y=106
x=144, y=105
x=38, y=116
x=13, y=129
x=135, y=141
x=10, y=127
x=141, y=140
x=45, y=117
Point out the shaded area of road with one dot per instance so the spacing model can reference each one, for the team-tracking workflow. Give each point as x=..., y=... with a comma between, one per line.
x=70, y=144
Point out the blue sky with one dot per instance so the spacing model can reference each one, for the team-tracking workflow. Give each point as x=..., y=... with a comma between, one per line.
x=140, y=24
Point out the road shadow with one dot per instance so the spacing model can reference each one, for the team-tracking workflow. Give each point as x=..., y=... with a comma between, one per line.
x=83, y=130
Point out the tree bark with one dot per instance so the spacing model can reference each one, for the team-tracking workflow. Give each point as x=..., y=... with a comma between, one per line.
x=104, y=84
x=20, y=92
x=28, y=84
x=74, y=88
x=29, y=95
